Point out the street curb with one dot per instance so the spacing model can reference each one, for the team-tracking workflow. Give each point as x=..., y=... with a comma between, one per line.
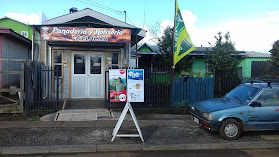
x=68, y=149
x=25, y=150
x=90, y=124
x=56, y=149
x=119, y=147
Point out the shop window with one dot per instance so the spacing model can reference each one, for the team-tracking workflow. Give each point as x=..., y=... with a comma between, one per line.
x=114, y=61
x=58, y=69
x=57, y=57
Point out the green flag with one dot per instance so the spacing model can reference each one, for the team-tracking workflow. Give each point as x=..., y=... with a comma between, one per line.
x=182, y=42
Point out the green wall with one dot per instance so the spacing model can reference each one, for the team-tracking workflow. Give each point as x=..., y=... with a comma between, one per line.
x=198, y=68
x=144, y=49
x=246, y=65
x=16, y=26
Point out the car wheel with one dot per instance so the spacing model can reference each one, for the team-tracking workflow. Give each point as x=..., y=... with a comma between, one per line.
x=230, y=129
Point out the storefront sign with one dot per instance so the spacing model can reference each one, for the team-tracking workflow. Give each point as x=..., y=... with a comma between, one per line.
x=78, y=34
x=135, y=85
x=117, y=85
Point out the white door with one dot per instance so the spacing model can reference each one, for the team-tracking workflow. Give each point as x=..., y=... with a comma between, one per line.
x=87, y=75
x=95, y=77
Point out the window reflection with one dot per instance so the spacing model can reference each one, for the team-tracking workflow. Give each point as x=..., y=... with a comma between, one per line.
x=79, y=64
x=95, y=64
x=114, y=61
x=269, y=98
x=57, y=56
x=57, y=70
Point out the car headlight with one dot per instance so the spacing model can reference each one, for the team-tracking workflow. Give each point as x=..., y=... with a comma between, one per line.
x=193, y=108
x=208, y=116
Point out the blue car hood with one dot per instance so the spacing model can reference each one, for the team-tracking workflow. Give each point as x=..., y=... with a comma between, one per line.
x=215, y=105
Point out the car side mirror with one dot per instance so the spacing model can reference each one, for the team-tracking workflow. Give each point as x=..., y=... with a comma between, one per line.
x=256, y=104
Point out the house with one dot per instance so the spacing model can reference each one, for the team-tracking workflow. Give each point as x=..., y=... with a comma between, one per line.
x=145, y=54
x=82, y=45
x=252, y=63
x=25, y=30
x=17, y=26
x=249, y=61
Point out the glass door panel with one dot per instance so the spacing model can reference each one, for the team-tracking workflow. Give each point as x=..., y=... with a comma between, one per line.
x=95, y=64
x=79, y=63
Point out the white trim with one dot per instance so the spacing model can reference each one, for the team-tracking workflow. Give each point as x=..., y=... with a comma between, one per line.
x=142, y=33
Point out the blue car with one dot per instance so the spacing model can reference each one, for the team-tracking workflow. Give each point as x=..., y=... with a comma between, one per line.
x=249, y=107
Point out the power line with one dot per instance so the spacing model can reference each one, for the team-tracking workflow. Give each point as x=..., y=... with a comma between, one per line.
x=130, y=20
x=90, y=2
x=101, y=6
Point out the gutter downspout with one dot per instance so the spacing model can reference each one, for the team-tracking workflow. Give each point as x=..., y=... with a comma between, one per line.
x=136, y=51
x=32, y=51
x=45, y=58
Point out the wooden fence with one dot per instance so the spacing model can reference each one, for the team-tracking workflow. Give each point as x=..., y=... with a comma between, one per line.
x=11, y=85
x=187, y=91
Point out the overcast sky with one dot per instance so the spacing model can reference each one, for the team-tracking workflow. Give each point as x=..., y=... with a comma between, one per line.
x=253, y=24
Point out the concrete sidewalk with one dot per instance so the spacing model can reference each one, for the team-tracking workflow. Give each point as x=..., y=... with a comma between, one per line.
x=52, y=137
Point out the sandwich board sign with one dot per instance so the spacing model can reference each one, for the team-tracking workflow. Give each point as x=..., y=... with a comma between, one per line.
x=117, y=85
x=135, y=83
x=135, y=90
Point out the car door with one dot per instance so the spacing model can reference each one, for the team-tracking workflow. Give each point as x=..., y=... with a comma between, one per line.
x=263, y=113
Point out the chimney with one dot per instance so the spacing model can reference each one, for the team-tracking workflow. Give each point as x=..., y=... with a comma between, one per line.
x=73, y=10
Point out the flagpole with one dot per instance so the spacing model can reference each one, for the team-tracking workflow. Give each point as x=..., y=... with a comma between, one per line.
x=173, y=43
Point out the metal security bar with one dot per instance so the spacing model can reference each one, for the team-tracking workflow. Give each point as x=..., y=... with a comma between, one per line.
x=157, y=89
x=43, y=88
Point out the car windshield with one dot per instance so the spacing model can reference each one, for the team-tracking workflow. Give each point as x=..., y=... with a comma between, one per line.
x=243, y=94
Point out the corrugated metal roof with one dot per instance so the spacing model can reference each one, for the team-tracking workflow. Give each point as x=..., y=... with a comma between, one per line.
x=252, y=54
x=199, y=51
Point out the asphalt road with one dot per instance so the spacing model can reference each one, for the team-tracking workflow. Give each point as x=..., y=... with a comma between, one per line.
x=197, y=153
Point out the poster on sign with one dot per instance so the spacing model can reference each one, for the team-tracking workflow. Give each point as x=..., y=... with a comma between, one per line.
x=117, y=85
x=135, y=85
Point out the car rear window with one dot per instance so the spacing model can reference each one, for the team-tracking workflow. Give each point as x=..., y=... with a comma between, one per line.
x=243, y=93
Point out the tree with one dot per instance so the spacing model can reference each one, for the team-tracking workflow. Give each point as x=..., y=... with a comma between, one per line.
x=222, y=57
x=275, y=53
x=165, y=57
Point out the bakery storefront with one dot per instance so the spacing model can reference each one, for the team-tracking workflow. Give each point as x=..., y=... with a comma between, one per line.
x=83, y=52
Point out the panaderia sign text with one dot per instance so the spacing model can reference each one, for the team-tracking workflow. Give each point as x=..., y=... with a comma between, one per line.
x=78, y=34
